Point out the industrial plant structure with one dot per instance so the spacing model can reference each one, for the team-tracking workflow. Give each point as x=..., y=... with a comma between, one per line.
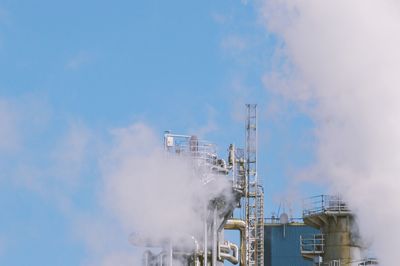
x=325, y=235
x=210, y=248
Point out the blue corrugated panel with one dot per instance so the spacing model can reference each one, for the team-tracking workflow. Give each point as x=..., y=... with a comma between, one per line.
x=282, y=244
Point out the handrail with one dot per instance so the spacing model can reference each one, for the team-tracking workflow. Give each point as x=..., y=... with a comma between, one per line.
x=362, y=262
x=312, y=244
x=276, y=220
x=368, y=261
x=324, y=204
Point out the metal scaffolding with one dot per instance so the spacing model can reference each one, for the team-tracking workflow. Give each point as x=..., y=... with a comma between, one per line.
x=254, y=194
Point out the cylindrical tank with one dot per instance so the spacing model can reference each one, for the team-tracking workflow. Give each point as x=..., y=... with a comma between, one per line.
x=332, y=216
x=340, y=243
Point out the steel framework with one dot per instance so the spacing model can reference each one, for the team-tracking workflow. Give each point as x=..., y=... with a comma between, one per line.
x=254, y=194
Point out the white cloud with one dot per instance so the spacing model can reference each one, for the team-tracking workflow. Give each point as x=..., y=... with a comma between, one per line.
x=71, y=153
x=19, y=119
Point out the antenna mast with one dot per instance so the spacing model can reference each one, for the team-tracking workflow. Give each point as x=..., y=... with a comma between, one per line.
x=254, y=194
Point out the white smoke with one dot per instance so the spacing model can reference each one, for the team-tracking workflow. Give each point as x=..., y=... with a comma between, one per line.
x=153, y=195
x=341, y=60
x=128, y=185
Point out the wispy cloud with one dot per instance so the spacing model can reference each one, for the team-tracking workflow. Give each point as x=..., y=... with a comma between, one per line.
x=78, y=60
x=211, y=124
x=221, y=18
x=106, y=243
x=10, y=133
x=234, y=44
x=71, y=153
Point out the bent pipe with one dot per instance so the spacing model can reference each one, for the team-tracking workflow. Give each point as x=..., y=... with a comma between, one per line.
x=224, y=252
x=235, y=224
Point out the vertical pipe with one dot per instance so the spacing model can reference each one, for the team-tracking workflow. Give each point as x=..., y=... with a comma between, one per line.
x=170, y=253
x=205, y=257
x=215, y=239
x=196, y=253
x=146, y=258
x=284, y=230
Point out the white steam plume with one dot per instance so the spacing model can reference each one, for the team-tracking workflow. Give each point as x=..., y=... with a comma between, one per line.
x=151, y=194
x=342, y=60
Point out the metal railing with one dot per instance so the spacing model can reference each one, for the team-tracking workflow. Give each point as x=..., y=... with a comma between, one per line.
x=334, y=263
x=363, y=262
x=201, y=154
x=369, y=261
x=191, y=146
x=324, y=204
x=312, y=244
x=276, y=220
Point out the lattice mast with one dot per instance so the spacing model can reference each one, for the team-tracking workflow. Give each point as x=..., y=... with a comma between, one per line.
x=254, y=194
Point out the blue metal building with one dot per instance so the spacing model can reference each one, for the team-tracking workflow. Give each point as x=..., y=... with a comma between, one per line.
x=282, y=243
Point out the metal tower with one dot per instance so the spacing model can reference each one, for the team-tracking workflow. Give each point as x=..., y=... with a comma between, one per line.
x=254, y=195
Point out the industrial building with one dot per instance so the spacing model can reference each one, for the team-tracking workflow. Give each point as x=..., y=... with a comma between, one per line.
x=282, y=245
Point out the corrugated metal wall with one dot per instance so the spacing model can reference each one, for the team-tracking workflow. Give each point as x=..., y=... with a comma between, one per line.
x=282, y=244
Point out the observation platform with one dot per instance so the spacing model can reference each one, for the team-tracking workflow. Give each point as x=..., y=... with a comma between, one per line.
x=318, y=209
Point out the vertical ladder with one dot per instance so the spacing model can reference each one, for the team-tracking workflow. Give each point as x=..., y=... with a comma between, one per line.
x=254, y=195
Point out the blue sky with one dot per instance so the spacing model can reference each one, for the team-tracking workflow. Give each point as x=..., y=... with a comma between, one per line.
x=71, y=71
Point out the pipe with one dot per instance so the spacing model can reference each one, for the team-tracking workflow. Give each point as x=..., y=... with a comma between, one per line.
x=215, y=235
x=145, y=259
x=234, y=224
x=196, y=253
x=161, y=257
x=228, y=247
x=170, y=253
x=205, y=255
x=231, y=163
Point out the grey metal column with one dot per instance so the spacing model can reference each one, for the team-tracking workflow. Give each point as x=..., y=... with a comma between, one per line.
x=215, y=238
